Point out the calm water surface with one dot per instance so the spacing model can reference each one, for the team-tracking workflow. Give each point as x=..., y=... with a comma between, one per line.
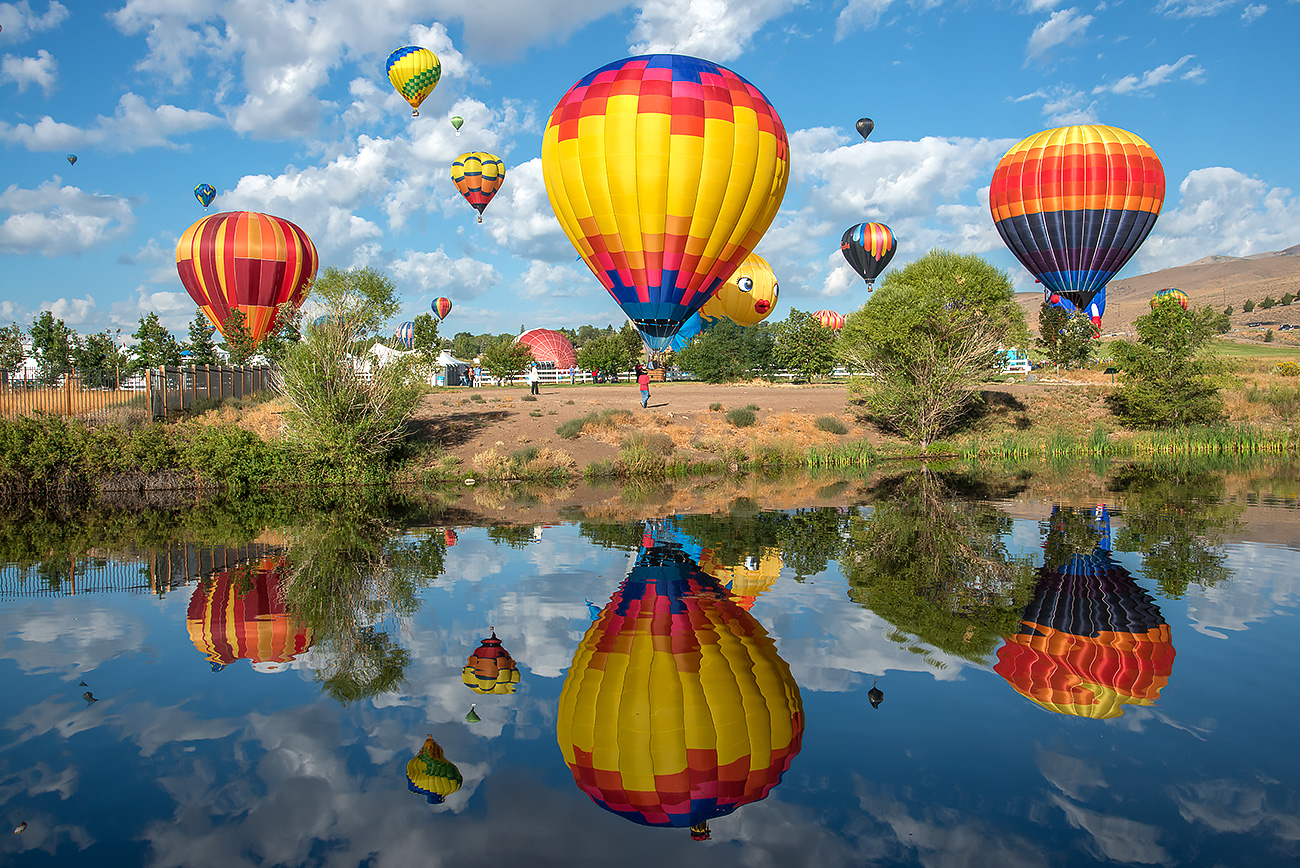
x=939, y=669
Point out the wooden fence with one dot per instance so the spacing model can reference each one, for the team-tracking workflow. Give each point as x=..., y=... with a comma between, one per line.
x=102, y=397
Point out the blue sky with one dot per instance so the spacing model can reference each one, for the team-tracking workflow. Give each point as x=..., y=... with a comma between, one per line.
x=284, y=107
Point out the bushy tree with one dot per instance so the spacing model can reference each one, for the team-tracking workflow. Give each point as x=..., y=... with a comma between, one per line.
x=12, y=352
x=632, y=340
x=201, y=347
x=425, y=342
x=506, y=358
x=1249, y=305
x=1287, y=299
x=804, y=346
x=365, y=298
x=1067, y=337
x=1267, y=303
x=239, y=344
x=98, y=358
x=727, y=352
x=154, y=345
x=52, y=346
x=931, y=335
x=605, y=353
x=287, y=331
x=1168, y=372
x=465, y=346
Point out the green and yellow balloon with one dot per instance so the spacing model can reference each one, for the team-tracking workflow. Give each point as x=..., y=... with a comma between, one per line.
x=414, y=72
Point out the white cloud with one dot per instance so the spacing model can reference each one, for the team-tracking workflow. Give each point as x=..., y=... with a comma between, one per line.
x=1063, y=26
x=716, y=29
x=1194, y=8
x=521, y=219
x=72, y=311
x=542, y=280
x=429, y=273
x=1221, y=210
x=1064, y=105
x=1163, y=73
x=1253, y=12
x=41, y=70
x=859, y=15
x=1039, y=5
x=20, y=22
x=55, y=221
x=134, y=125
x=174, y=309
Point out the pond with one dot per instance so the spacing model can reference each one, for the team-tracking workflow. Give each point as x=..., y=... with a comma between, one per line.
x=926, y=667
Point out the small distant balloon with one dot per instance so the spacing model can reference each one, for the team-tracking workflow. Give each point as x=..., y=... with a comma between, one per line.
x=456, y=123
x=875, y=695
x=72, y=159
x=441, y=306
x=865, y=126
x=205, y=193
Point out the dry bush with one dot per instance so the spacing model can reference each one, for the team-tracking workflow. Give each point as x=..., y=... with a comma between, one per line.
x=492, y=464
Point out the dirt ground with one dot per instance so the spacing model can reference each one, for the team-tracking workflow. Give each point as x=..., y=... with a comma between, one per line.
x=468, y=422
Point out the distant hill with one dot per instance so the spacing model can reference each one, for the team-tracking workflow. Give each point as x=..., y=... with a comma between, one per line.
x=1216, y=281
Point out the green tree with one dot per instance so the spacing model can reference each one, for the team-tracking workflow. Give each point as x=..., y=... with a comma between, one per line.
x=1168, y=372
x=1249, y=305
x=804, y=346
x=154, y=345
x=287, y=331
x=506, y=358
x=465, y=346
x=604, y=353
x=931, y=335
x=12, y=352
x=1223, y=323
x=727, y=352
x=1287, y=299
x=98, y=359
x=1068, y=337
x=1267, y=303
x=586, y=333
x=425, y=342
x=52, y=346
x=239, y=344
x=365, y=298
x=201, y=348
x=632, y=338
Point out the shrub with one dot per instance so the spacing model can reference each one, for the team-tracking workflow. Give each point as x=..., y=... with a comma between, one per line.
x=1268, y=336
x=741, y=417
x=476, y=398
x=716, y=407
x=1267, y=302
x=830, y=425
x=571, y=429
x=1249, y=305
x=528, y=398
x=642, y=455
x=1287, y=299
x=1286, y=369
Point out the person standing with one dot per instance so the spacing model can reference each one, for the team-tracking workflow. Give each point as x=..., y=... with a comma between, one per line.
x=533, y=378
x=643, y=383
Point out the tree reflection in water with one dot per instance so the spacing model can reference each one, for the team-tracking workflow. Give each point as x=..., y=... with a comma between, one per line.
x=350, y=575
x=930, y=559
x=1175, y=517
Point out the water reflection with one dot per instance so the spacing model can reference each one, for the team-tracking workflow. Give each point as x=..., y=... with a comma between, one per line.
x=1091, y=641
x=491, y=669
x=239, y=614
x=431, y=774
x=677, y=708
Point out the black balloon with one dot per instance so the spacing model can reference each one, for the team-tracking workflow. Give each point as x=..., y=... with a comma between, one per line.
x=865, y=126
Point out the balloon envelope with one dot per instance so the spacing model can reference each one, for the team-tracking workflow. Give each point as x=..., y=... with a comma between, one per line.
x=431, y=774
x=414, y=73
x=662, y=242
x=1169, y=294
x=550, y=346
x=1075, y=203
x=247, y=261
x=205, y=193
x=239, y=614
x=748, y=297
x=72, y=159
x=491, y=669
x=404, y=334
x=456, y=122
x=868, y=247
x=478, y=176
x=865, y=126
x=830, y=319
x=441, y=306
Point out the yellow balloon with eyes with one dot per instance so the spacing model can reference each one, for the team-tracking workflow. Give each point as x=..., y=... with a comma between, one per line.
x=748, y=297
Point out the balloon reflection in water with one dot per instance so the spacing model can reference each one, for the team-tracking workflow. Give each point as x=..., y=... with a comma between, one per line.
x=1091, y=640
x=677, y=708
x=746, y=580
x=431, y=774
x=239, y=614
x=490, y=669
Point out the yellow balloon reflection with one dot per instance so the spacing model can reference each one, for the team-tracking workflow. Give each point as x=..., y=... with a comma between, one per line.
x=431, y=774
x=239, y=614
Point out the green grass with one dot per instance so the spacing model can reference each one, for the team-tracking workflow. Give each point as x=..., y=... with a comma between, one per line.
x=1275, y=353
x=741, y=417
x=831, y=425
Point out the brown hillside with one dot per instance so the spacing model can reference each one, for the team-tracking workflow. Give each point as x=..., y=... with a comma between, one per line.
x=1216, y=281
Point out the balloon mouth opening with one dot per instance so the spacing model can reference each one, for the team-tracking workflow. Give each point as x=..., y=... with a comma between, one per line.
x=761, y=306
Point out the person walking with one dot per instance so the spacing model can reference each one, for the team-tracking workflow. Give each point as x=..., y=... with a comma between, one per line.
x=533, y=378
x=643, y=383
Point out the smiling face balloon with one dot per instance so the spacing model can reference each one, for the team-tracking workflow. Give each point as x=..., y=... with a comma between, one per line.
x=748, y=297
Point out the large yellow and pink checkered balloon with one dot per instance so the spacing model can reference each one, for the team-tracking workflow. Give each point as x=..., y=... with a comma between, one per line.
x=664, y=171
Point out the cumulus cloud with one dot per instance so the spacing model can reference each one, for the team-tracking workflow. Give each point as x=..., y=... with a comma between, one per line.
x=72, y=311
x=542, y=280
x=174, y=309
x=717, y=29
x=55, y=220
x=427, y=273
x=1064, y=105
x=1163, y=73
x=20, y=22
x=41, y=70
x=527, y=226
x=134, y=125
x=1065, y=25
x=1221, y=210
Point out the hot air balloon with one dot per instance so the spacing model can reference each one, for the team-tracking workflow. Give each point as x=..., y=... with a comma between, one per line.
x=456, y=122
x=868, y=247
x=404, y=334
x=1075, y=203
x=1096, y=308
x=449, y=537
x=550, y=346
x=490, y=669
x=478, y=176
x=748, y=297
x=662, y=242
x=1169, y=294
x=830, y=319
x=1091, y=641
x=689, y=329
x=677, y=708
x=414, y=72
x=239, y=614
x=245, y=260
x=72, y=159
x=431, y=774
x=441, y=307
x=865, y=126
x=205, y=193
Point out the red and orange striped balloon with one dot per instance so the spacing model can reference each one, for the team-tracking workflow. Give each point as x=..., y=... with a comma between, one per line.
x=246, y=261
x=240, y=615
